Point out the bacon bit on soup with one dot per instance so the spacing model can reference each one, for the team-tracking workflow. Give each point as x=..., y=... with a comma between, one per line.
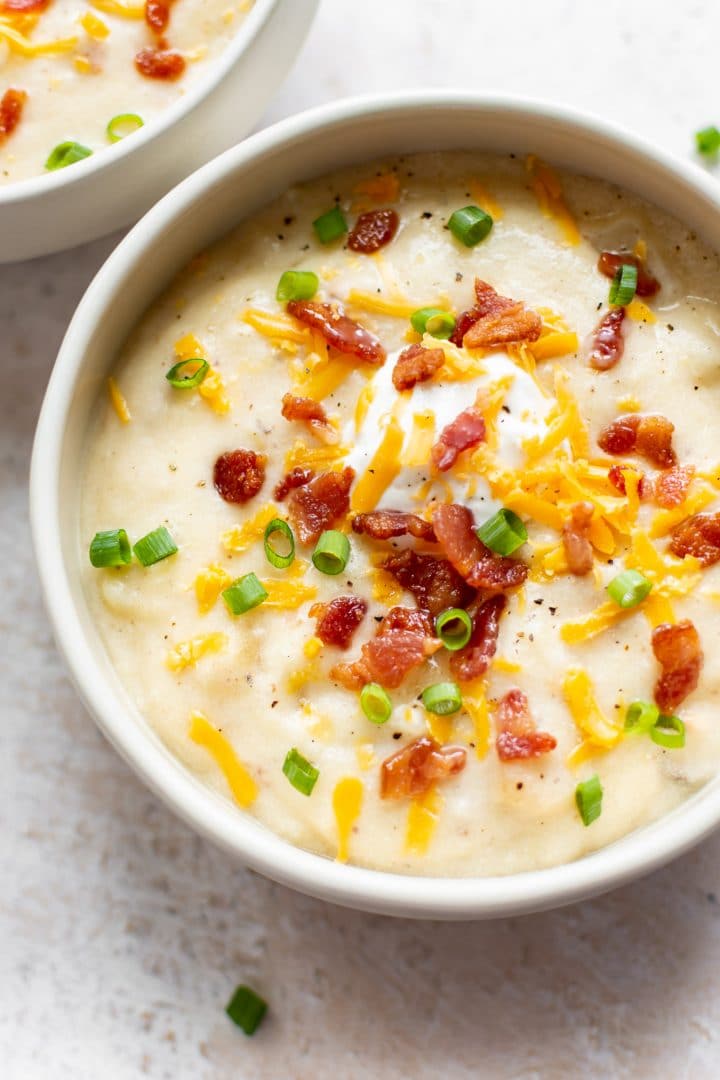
x=648, y=436
x=412, y=770
x=296, y=478
x=338, y=620
x=159, y=63
x=678, y=651
x=608, y=342
x=373, y=230
x=157, y=15
x=12, y=104
x=480, y=567
x=473, y=659
x=518, y=737
x=465, y=432
x=416, y=364
x=670, y=488
x=385, y=524
x=495, y=320
x=23, y=7
x=434, y=583
x=575, y=535
x=403, y=641
x=339, y=331
x=310, y=412
x=610, y=262
x=238, y=475
x=315, y=506
x=698, y=536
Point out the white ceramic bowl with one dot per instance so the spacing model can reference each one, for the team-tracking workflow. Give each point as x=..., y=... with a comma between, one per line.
x=199, y=211
x=108, y=190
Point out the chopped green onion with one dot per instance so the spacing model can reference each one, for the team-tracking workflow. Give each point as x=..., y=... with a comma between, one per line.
x=669, y=731
x=332, y=552
x=300, y=772
x=623, y=286
x=629, y=588
x=707, y=141
x=185, y=375
x=246, y=1009
x=297, y=285
x=375, y=703
x=110, y=548
x=277, y=525
x=330, y=226
x=503, y=533
x=470, y=225
x=66, y=153
x=442, y=698
x=588, y=798
x=640, y=717
x=154, y=547
x=123, y=124
x=454, y=628
x=434, y=321
x=244, y=594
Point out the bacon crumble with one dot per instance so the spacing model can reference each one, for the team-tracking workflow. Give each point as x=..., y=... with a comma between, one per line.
x=650, y=436
x=473, y=660
x=416, y=364
x=338, y=620
x=296, y=478
x=158, y=62
x=575, y=536
x=157, y=15
x=373, y=230
x=698, y=536
x=338, y=330
x=386, y=524
x=480, y=566
x=310, y=412
x=495, y=320
x=517, y=735
x=610, y=262
x=670, y=489
x=23, y=7
x=402, y=642
x=434, y=583
x=608, y=344
x=238, y=475
x=315, y=506
x=12, y=104
x=412, y=770
x=465, y=432
x=678, y=650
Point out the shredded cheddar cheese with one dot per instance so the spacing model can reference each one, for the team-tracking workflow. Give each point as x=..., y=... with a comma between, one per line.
x=422, y=820
x=585, y=711
x=347, y=802
x=312, y=647
x=475, y=704
x=187, y=653
x=22, y=45
x=640, y=312
x=602, y=618
x=119, y=8
x=385, y=588
x=313, y=457
x=241, y=537
x=549, y=194
x=287, y=594
x=377, y=304
x=420, y=442
x=118, y=402
x=382, y=470
x=94, y=27
x=485, y=200
x=209, y=583
x=382, y=188
x=240, y=782
x=554, y=344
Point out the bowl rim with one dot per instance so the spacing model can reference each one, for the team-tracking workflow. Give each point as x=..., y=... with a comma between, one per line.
x=33, y=187
x=208, y=813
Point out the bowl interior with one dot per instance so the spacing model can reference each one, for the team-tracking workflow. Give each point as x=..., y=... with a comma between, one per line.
x=199, y=211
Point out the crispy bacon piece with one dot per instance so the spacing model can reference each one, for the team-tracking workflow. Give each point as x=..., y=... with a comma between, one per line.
x=435, y=583
x=670, y=488
x=416, y=364
x=338, y=620
x=340, y=332
x=649, y=436
x=412, y=770
x=12, y=104
x=517, y=735
x=495, y=320
x=23, y=7
x=610, y=262
x=403, y=641
x=608, y=342
x=465, y=432
x=315, y=506
x=157, y=15
x=385, y=524
x=159, y=63
x=575, y=535
x=481, y=568
x=238, y=475
x=309, y=412
x=698, y=536
x=473, y=659
x=373, y=230
x=296, y=478
x=678, y=651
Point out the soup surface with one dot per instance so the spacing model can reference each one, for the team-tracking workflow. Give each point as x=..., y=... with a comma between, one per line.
x=544, y=480
x=78, y=75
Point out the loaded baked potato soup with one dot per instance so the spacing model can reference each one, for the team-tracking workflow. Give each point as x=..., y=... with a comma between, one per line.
x=402, y=514
x=77, y=76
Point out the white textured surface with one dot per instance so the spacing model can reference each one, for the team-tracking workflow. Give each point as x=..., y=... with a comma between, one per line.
x=122, y=934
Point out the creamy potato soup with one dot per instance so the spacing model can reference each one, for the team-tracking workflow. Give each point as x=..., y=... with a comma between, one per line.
x=77, y=76
x=402, y=514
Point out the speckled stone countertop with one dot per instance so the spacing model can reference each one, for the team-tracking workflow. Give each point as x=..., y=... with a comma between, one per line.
x=122, y=934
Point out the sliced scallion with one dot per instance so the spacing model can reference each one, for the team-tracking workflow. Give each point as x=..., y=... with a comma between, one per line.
x=332, y=552
x=66, y=153
x=623, y=285
x=443, y=698
x=470, y=225
x=588, y=799
x=187, y=374
x=154, y=547
x=629, y=588
x=434, y=321
x=375, y=703
x=668, y=732
x=110, y=548
x=330, y=226
x=454, y=628
x=503, y=533
x=277, y=558
x=297, y=285
x=640, y=717
x=246, y=1009
x=244, y=594
x=707, y=141
x=122, y=125
x=301, y=773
